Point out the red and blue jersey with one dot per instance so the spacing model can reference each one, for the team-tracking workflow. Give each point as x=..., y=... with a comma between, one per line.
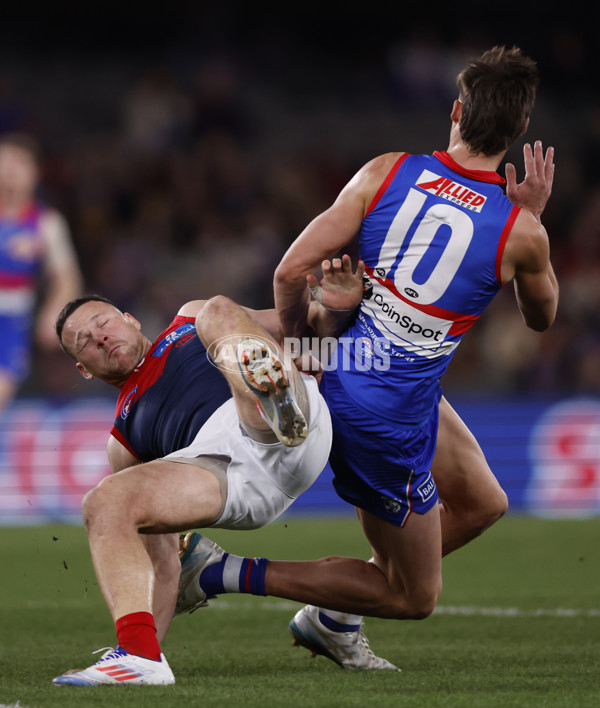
x=22, y=252
x=170, y=395
x=432, y=241
x=21, y=258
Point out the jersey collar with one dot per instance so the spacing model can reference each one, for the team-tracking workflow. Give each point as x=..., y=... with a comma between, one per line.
x=479, y=175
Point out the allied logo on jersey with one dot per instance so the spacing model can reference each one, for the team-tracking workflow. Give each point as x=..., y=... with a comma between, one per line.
x=451, y=191
x=128, y=403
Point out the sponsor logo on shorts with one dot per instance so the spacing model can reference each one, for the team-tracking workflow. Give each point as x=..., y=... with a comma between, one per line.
x=128, y=403
x=451, y=191
x=392, y=505
x=426, y=488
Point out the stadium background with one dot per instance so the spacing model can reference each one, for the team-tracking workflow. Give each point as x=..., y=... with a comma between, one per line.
x=187, y=149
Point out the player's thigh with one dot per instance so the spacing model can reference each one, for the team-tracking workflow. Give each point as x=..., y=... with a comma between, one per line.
x=163, y=496
x=410, y=556
x=460, y=470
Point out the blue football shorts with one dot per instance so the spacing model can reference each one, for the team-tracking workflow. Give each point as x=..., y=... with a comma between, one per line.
x=14, y=346
x=381, y=467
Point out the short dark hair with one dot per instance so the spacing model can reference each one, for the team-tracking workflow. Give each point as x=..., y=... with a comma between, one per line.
x=497, y=92
x=70, y=308
x=24, y=141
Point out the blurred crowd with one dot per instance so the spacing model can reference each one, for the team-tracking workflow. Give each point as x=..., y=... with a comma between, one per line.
x=190, y=176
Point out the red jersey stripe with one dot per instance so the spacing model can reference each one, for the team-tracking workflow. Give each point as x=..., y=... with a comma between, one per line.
x=502, y=242
x=386, y=182
x=479, y=175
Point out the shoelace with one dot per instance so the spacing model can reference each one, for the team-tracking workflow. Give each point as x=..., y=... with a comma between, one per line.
x=109, y=653
x=364, y=643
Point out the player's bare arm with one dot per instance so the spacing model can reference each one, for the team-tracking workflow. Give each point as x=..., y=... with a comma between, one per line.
x=63, y=276
x=526, y=260
x=330, y=232
x=119, y=457
x=336, y=297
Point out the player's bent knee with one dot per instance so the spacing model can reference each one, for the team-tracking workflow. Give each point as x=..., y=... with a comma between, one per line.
x=416, y=604
x=501, y=504
x=420, y=606
x=422, y=609
x=214, y=310
x=107, y=498
x=494, y=510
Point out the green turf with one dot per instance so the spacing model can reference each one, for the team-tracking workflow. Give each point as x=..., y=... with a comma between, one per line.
x=518, y=624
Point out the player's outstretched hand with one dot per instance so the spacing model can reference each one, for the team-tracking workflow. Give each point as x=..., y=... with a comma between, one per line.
x=534, y=191
x=341, y=288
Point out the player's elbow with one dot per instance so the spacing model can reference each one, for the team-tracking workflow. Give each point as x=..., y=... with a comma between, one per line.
x=289, y=272
x=540, y=316
x=542, y=320
x=538, y=324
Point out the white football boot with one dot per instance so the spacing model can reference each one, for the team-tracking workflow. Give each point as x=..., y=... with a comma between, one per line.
x=116, y=666
x=196, y=552
x=349, y=650
x=268, y=381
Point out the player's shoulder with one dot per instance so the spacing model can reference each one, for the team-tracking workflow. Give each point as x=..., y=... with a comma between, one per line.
x=51, y=220
x=382, y=164
x=373, y=173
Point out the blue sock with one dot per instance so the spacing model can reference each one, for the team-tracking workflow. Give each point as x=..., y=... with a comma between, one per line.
x=340, y=621
x=235, y=574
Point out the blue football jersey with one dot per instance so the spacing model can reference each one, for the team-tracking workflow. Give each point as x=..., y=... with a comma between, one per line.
x=22, y=252
x=432, y=242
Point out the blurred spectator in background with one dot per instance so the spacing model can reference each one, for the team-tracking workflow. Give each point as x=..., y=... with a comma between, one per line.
x=38, y=265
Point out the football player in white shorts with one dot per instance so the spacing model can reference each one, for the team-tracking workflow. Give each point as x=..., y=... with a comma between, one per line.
x=261, y=448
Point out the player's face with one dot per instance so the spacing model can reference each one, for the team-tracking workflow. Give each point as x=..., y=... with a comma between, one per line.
x=18, y=171
x=106, y=343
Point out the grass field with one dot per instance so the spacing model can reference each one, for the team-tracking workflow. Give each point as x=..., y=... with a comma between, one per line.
x=518, y=624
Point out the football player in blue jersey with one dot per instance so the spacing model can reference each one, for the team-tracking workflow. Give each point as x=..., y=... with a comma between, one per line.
x=35, y=249
x=214, y=426
x=439, y=237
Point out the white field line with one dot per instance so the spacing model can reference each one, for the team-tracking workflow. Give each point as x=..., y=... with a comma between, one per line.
x=463, y=610
x=467, y=611
x=274, y=605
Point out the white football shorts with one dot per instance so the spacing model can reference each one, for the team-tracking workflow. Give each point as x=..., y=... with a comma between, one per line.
x=263, y=479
